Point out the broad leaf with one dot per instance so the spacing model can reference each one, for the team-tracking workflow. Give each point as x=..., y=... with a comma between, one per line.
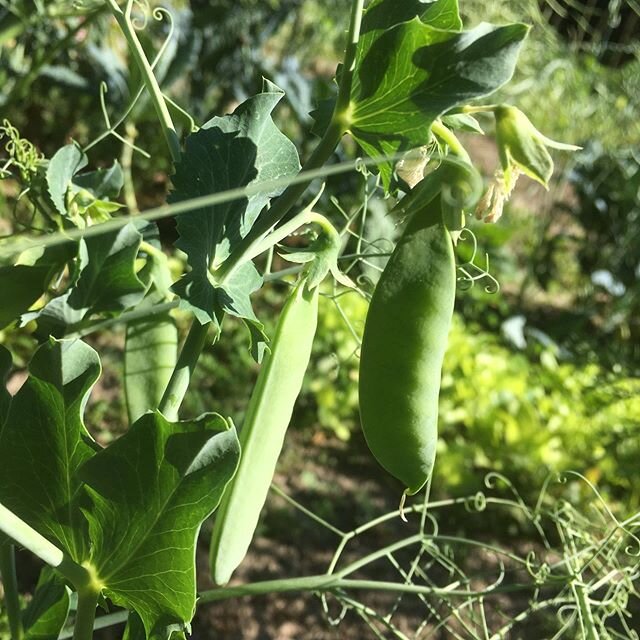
x=150, y=356
x=105, y=281
x=102, y=183
x=150, y=492
x=47, y=611
x=233, y=151
x=5, y=396
x=20, y=287
x=412, y=73
x=42, y=431
x=61, y=169
x=384, y=14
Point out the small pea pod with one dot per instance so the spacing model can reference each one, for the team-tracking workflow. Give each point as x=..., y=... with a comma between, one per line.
x=150, y=356
x=403, y=348
x=262, y=435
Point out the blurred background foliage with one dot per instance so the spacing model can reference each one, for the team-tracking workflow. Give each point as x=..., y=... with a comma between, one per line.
x=544, y=374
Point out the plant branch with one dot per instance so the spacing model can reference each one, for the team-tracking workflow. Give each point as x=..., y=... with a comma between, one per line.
x=179, y=383
x=25, y=535
x=123, y=19
x=448, y=137
x=86, y=613
x=334, y=583
x=11, y=593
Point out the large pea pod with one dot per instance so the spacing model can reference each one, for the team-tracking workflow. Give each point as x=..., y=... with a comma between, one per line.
x=262, y=434
x=403, y=348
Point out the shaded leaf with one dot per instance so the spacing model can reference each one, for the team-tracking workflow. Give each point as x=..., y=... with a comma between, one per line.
x=102, y=183
x=47, y=611
x=62, y=167
x=150, y=355
x=105, y=281
x=228, y=152
x=42, y=430
x=150, y=492
x=412, y=73
x=20, y=286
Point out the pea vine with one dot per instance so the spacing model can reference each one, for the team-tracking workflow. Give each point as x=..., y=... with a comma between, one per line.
x=118, y=524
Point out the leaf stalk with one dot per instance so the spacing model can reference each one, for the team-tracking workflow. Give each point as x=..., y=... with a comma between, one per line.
x=11, y=593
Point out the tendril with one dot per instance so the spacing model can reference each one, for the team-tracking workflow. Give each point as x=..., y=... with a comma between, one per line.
x=471, y=273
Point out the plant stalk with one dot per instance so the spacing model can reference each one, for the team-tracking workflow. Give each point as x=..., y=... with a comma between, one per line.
x=123, y=19
x=340, y=122
x=25, y=535
x=329, y=583
x=179, y=382
x=86, y=613
x=11, y=593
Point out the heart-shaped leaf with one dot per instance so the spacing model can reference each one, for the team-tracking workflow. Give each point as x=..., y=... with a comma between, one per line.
x=150, y=491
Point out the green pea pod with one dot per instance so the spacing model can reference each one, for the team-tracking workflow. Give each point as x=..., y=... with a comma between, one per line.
x=262, y=435
x=403, y=348
x=149, y=358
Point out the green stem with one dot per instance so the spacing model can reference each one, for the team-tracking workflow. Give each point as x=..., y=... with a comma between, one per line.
x=281, y=207
x=328, y=583
x=25, y=535
x=448, y=137
x=349, y=64
x=339, y=125
x=86, y=613
x=181, y=376
x=179, y=382
x=11, y=593
x=123, y=19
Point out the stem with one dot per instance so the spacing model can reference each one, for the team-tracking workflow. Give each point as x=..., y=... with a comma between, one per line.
x=102, y=622
x=168, y=129
x=448, y=137
x=346, y=80
x=179, y=382
x=86, y=613
x=187, y=361
x=11, y=593
x=339, y=125
x=25, y=535
x=324, y=583
x=281, y=207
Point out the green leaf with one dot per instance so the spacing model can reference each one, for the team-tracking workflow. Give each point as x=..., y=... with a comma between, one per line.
x=150, y=491
x=5, y=397
x=42, y=430
x=102, y=183
x=106, y=281
x=233, y=151
x=412, y=73
x=61, y=169
x=21, y=285
x=150, y=355
x=380, y=16
x=47, y=611
x=462, y=122
x=384, y=14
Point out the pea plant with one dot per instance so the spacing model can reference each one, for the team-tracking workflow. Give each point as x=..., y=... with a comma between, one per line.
x=117, y=525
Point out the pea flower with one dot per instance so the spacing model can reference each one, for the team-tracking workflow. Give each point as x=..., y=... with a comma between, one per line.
x=522, y=148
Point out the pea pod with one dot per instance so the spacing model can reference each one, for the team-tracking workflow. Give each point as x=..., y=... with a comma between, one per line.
x=403, y=348
x=262, y=435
